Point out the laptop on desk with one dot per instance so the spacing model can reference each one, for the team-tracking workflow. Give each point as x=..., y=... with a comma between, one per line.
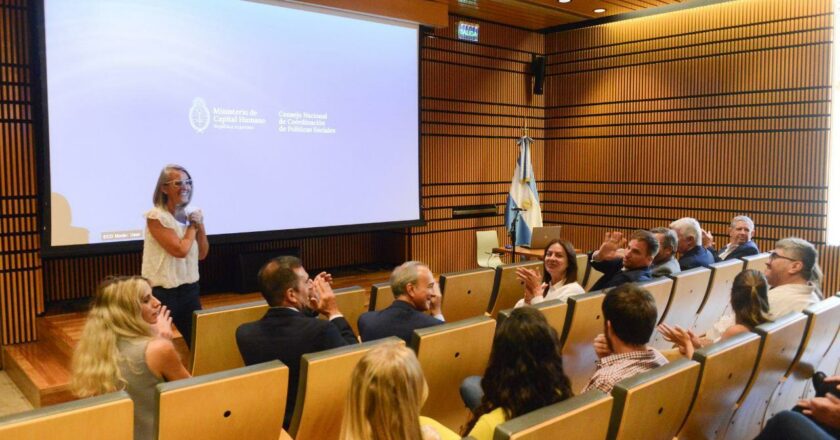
x=542, y=235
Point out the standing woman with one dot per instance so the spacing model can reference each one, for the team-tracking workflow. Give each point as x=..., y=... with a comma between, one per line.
x=173, y=244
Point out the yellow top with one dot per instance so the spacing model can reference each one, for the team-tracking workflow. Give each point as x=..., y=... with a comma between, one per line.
x=442, y=431
x=486, y=424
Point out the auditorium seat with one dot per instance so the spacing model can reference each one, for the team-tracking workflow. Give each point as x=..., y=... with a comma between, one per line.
x=554, y=311
x=822, y=326
x=325, y=379
x=652, y=405
x=507, y=289
x=583, y=323
x=592, y=276
x=448, y=354
x=583, y=417
x=485, y=242
x=466, y=294
x=688, y=293
x=661, y=289
x=104, y=417
x=214, y=336
x=716, y=300
x=352, y=302
x=831, y=360
x=381, y=296
x=725, y=370
x=780, y=341
x=243, y=403
x=582, y=264
x=757, y=262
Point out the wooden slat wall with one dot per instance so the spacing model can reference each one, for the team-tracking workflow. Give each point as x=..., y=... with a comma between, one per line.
x=475, y=99
x=21, y=291
x=708, y=112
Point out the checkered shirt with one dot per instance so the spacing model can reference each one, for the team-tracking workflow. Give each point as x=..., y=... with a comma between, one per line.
x=614, y=368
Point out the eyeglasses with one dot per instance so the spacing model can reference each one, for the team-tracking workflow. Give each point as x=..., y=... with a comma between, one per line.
x=774, y=256
x=180, y=183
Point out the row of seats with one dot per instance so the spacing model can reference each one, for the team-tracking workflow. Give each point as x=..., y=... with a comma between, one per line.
x=726, y=391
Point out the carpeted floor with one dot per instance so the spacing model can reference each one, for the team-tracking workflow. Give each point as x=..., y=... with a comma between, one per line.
x=11, y=399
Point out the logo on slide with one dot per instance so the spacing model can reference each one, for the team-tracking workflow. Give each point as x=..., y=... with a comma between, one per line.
x=199, y=115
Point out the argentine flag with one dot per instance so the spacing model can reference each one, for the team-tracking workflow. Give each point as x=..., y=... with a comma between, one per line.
x=523, y=194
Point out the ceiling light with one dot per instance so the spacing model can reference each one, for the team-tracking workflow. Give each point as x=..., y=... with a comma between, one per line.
x=600, y=11
x=564, y=1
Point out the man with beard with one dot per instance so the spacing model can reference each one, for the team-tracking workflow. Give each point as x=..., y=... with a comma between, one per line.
x=291, y=328
x=629, y=265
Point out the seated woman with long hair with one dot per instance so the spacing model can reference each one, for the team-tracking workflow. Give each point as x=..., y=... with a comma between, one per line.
x=750, y=308
x=385, y=398
x=525, y=372
x=126, y=345
x=559, y=279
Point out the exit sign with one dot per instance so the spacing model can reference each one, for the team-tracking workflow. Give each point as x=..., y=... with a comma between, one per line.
x=468, y=31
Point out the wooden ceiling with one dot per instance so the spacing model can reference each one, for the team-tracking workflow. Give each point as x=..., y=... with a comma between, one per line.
x=541, y=14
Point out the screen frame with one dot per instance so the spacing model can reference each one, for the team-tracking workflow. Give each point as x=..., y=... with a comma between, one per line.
x=40, y=121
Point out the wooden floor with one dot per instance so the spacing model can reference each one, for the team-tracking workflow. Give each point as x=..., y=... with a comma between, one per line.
x=42, y=369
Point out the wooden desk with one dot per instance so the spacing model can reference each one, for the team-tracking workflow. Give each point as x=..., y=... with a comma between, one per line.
x=528, y=253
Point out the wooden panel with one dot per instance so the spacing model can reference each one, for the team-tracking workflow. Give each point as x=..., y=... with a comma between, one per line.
x=711, y=112
x=21, y=289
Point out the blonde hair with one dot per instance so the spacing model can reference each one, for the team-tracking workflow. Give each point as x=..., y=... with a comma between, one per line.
x=159, y=198
x=115, y=314
x=385, y=397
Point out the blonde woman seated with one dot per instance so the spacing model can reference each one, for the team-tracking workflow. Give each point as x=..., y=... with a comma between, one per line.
x=560, y=275
x=126, y=345
x=749, y=305
x=385, y=398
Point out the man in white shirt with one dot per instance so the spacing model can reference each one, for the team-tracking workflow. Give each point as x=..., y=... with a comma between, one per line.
x=794, y=275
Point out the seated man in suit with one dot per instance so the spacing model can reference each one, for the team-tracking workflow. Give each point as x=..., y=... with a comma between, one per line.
x=740, y=240
x=690, y=244
x=665, y=263
x=415, y=292
x=629, y=319
x=624, y=265
x=291, y=328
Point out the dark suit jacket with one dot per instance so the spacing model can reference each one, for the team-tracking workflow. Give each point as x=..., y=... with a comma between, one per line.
x=744, y=250
x=614, y=276
x=287, y=334
x=399, y=319
x=698, y=256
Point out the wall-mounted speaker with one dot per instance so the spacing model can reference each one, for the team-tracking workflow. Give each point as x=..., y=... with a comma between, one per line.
x=538, y=73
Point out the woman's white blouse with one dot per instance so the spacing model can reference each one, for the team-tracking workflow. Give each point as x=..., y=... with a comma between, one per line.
x=557, y=291
x=161, y=268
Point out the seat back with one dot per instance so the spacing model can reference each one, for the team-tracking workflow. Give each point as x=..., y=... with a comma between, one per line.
x=485, y=242
x=247, y=402
x=831, y=360
x=661, y=289
x=214, y=336
x=449, y=353
x=325, y=379
x=466, y=294
x=646, y=406
x=780, y=342
x=757, y=262
x=97, y=418
x=352, y=301
x=823, y=324
x=507, y=289
x=717, y=295
x=554, y=311
x=582, y=265
x=584, y=322
x=592, y=277
x=688, y=293
x=725, y=370
x=381, y=296
x=584, y=417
